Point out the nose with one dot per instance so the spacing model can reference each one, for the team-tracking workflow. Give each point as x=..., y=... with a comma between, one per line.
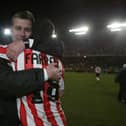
x=22, y=32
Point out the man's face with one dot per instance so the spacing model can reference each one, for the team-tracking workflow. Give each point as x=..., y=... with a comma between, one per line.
x=21, y=29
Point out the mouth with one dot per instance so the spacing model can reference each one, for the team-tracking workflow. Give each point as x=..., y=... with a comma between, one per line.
x=22, y=39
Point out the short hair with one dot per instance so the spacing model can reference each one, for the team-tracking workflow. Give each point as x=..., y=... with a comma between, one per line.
x=24, y=15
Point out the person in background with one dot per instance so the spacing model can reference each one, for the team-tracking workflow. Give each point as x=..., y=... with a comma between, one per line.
x=121, y=79
x=97, y=72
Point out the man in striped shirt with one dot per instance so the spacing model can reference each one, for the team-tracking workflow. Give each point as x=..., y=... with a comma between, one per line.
x=41, y=108
x=21, y=33
x=44, y=106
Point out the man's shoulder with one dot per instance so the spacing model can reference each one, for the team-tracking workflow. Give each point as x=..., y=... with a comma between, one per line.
x=3, y=51
x=3, y=46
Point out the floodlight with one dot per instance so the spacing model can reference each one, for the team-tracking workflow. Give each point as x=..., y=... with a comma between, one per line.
x=7, y=31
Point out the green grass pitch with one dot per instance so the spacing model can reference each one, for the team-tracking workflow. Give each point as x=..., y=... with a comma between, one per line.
x=88, y=102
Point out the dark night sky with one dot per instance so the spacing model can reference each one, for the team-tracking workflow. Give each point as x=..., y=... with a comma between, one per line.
x=67, y=13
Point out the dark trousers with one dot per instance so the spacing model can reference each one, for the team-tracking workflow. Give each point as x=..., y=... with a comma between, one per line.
x=122, y=92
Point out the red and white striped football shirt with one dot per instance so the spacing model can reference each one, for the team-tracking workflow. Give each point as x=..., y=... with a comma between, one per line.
x=47, y=111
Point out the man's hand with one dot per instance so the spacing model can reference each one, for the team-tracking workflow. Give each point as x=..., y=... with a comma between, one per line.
x=53, y=72
x=14, y=49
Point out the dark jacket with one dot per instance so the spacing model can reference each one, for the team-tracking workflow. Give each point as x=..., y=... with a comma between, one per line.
x=13, y=84
x=121, y=77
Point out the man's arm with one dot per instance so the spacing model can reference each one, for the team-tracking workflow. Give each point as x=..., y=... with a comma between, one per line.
x=23, y=82
x=19, y=83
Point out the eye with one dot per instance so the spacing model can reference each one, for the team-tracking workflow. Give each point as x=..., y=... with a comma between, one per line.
x=18, y=28
x=28, y=29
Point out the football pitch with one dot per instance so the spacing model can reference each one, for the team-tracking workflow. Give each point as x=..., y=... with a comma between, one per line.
x=88, y=102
